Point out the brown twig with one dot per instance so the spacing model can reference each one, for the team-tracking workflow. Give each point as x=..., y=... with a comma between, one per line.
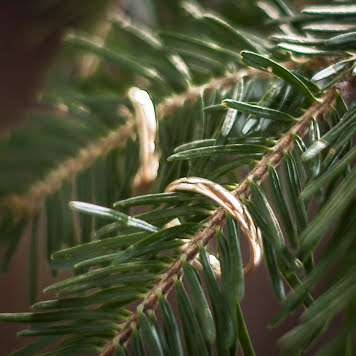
x=174, y=102
x=28, y=203
x=205, y=234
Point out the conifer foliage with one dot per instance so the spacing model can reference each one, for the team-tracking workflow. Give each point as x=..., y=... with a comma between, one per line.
x=264, y=122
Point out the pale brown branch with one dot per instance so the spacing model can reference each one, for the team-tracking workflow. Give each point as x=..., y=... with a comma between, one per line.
x=174, y=102
x=204, y=235
x=28, y=203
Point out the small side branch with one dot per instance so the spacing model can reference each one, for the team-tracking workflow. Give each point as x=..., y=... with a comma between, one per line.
x=174, y=102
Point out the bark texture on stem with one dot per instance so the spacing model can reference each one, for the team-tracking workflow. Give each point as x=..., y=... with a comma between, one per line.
x=204, y=235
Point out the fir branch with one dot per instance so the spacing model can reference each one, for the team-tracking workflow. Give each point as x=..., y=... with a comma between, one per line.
x=28, y=203
x=204, y=235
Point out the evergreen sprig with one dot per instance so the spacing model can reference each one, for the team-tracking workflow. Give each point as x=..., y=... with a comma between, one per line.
x=268, y=118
